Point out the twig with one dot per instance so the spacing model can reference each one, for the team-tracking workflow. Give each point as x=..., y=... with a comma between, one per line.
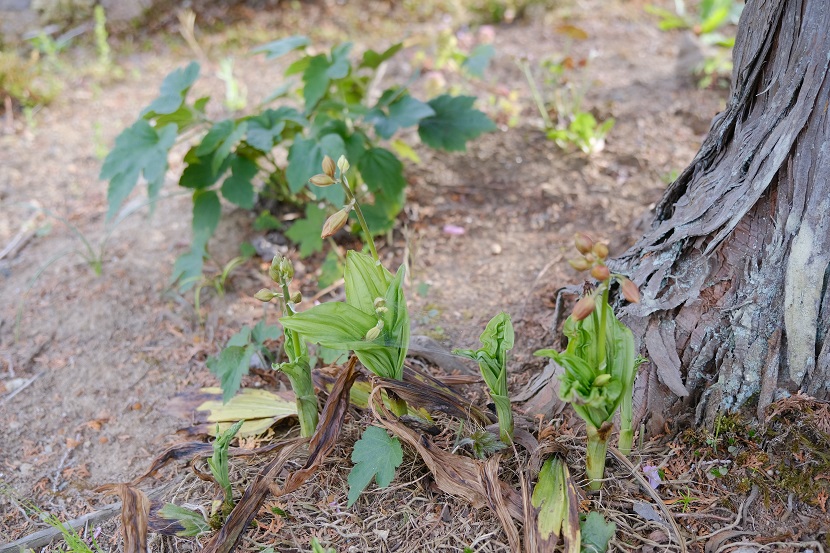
x=22, y=387
x=326, y=290
x=623, y=460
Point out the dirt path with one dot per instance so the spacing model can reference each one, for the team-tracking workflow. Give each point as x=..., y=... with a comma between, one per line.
x=99, y=356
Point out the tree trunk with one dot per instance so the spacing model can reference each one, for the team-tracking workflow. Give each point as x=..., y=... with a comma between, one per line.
x=734, y=270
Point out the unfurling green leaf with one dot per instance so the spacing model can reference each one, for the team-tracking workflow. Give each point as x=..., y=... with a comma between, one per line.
x=376, y=456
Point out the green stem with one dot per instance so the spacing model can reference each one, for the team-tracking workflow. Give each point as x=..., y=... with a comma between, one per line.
x=505, y=416
x=626, y=434
x=595, y=456
x=603, y=321
x=369, y=240
x=537, y=97
x=299, y=375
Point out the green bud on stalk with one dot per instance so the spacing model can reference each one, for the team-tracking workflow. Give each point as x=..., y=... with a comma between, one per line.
x=266, y=295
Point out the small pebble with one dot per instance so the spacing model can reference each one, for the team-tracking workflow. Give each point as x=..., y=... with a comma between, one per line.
x=496, y=249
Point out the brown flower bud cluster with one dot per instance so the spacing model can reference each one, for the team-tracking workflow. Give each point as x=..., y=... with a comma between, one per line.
x=592, y=258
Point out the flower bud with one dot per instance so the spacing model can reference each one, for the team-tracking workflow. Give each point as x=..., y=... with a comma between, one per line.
x=342, y=164
x=580, y=263
x=286, y=270
x=322, y=180
x=335, y=223
x=266, y=295
x=600, y=272
x=274, y=270
x=600, y=250
x=296, y=297
x=328, y=166
x=372, y=334
x=379, y=302
x=630, y=291
x=584, y=307
x=583, y=242
x=602, y=380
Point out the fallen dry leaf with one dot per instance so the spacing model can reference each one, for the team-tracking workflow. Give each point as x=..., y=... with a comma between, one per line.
x=135, y=511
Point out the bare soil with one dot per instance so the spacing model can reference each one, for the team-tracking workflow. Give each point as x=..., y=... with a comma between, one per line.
x=87, y=363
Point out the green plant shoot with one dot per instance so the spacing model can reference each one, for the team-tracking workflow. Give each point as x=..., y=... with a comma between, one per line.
x=496, y=340
x=374, y=321
x=600, y=360
x=218, y=464
x=298, y=366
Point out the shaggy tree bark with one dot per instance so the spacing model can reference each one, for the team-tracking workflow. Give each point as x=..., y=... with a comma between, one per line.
x=734, y=271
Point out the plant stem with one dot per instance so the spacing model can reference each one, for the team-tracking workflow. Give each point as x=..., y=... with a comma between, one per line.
x=505, y=416
x=537, y=97
x=369, y=240
x=626, y=432
x=603, y=321
x=595, y=456
x=299, y=375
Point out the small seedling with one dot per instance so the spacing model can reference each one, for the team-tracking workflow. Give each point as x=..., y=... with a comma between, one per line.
x=496, y=340
x=218, y=464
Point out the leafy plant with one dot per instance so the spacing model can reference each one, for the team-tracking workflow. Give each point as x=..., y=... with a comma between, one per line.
x=600, y=360
x=573, y=125
x=710, y=16
x=596, y=533
x=235, y=157
x=218, y=464
x=234, y=361
x=496, y=340
x=218, y=282
x=298, y=366
x=376, y=456
x=482, y=443
x=373, y=322
x=584, y=132
x=101, y=38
